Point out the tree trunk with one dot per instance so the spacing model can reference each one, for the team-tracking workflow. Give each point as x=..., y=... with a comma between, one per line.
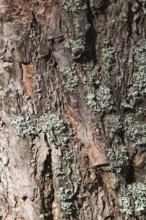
x=73, y=97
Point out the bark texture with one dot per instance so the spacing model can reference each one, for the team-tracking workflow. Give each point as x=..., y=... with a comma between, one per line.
x=72, y=109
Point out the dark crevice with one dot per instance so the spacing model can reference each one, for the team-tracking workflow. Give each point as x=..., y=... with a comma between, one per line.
x=46, y=180
x=130, y=175
x=130, y=19
x=104, y=7
x=91, y=36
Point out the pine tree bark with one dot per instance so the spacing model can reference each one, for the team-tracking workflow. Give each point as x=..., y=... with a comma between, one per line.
x=68, y=90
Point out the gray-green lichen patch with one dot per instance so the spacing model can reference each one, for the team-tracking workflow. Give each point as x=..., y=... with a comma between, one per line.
x=58, y=131
x=65, y=196
x=24, y=126
x=108, y=56
x=73, y=5
x=133, y=199
x=104, y=97
x=114, y=123
x=137, y=90
x=71, y=78
x=32, y=155
x=135, y=131
x=100, y=99
x=90, y=78
x=91, y=101
x=68, y=156
x=118, y=158
x=123, y=16
x=99, y=96
x=77, y=46
x=67, y=207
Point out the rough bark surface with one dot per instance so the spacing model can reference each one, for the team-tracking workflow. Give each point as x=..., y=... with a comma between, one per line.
x=72, y=88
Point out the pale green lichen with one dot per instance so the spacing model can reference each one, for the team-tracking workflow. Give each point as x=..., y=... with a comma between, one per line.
x=67, y=207
x=118, y=158
x=73, y=5
x=108, y=56
x=65, y=196
x=100, y=99
x=123, y=15
x=133, y=199
x=56, y=128
x=139, y=77
x=68, y=156
x=138, y=88
x=104, y=97
x=24, y=126
x=135, y=131
x=32, y=155
x=71, y=78
x=115, y=123
x=99, y=96
x=78, y=47
x=91, y=100
x=90, y=78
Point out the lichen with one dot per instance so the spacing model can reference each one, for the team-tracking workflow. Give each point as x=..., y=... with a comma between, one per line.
x=73, y=5
x=118, y=158
x=114, y=123
x=68, y=156
x=100, y=99
x=104, y=97
x=24, y=126
x=108, y=54
x=91, y=101
x=77, y=46
x=133, y=199
x=58, y=131
x=71, y=78
x=135, y=131
x=90, y=78
x=67, y=207
x=138, y=88
x=64, y=196
x=123, y=15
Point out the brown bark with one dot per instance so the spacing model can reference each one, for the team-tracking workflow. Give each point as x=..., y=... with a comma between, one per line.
x=73, y=62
